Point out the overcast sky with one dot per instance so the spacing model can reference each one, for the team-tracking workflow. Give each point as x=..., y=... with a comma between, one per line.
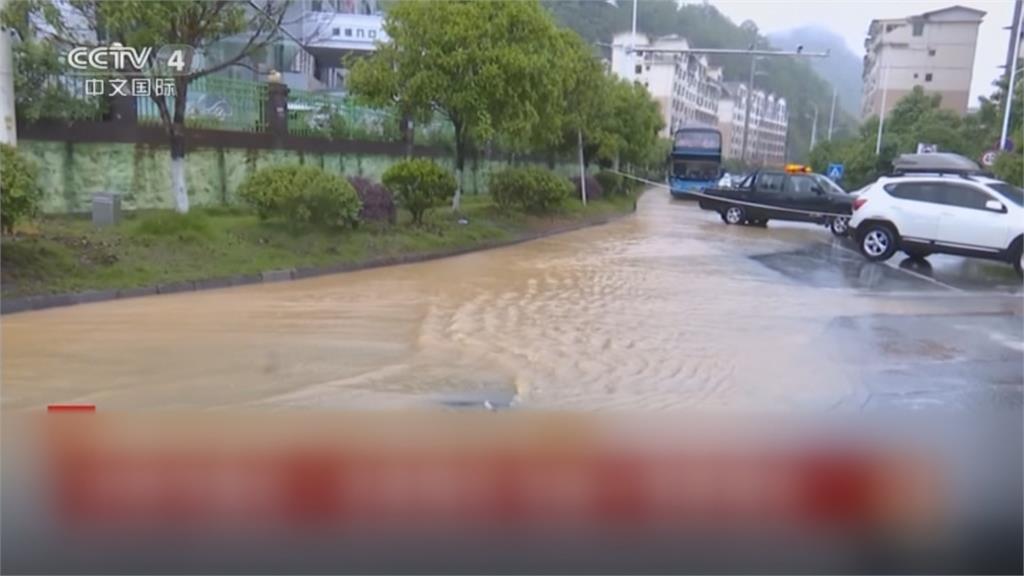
x=850, y=19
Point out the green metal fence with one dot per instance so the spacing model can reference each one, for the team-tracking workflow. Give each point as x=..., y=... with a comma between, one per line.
x=216, y=102
x=70, y=98
x=325, y=115
x=223, y=103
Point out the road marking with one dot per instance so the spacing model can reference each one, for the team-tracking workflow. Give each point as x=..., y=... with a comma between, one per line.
x=896, y=267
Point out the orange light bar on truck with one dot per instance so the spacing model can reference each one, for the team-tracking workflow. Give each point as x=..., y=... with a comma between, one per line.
x=798, y=168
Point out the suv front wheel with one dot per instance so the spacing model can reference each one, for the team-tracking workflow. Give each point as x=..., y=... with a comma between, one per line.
x=877, y=241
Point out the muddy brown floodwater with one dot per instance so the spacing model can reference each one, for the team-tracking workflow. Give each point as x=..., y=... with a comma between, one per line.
x=662, y=310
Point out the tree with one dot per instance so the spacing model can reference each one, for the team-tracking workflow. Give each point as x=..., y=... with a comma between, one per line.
x=240, y=29
x=476, y=63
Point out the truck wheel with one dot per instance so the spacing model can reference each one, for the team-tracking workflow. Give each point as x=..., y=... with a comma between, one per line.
x=877, y=242
x=734, y=215
x=839, y=226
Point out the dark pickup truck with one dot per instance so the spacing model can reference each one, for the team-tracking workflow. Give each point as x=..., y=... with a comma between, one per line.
x=781, y=195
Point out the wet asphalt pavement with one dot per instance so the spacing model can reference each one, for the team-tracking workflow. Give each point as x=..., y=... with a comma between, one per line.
x=963, y=351
x=667, y=309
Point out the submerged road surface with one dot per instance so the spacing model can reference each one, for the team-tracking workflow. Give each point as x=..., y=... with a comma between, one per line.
x=668, y=309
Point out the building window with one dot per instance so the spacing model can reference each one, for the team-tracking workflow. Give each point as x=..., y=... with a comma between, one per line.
x=928, y=77
x=931, y=52
x=915, y=75
x=318, y=6
x=918, y=27
x=360, y=33
x=279, y=57
x=372, y=34
x=639, y=69
x=336, y=32
x=348, y=32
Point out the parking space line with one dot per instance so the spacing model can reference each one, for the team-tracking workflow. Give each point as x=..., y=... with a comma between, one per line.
x=911, y=272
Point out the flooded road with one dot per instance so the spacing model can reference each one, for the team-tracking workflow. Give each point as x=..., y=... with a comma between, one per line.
x=668, y=309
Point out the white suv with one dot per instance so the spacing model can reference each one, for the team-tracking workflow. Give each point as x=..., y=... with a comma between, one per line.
x=952, y=214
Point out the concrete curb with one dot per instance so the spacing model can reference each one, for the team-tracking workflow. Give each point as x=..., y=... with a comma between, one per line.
x=30, y=303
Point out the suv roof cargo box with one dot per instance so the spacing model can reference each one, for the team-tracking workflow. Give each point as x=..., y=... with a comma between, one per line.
x=935, y=162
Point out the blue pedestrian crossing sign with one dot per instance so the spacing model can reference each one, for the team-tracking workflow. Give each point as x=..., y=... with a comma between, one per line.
x=835, y=172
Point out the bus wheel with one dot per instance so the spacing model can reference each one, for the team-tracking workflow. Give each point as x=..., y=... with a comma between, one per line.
x=734, y=215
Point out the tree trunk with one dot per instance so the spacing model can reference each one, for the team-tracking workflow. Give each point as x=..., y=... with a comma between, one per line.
x=408, y=135
x=178, y=184
x=176, y=131
x=460, y=161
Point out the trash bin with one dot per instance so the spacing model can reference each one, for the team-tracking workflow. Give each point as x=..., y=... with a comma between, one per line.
x=106, y=209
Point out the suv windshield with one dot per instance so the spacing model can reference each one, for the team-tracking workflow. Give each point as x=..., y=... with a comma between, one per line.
x=1009, y=191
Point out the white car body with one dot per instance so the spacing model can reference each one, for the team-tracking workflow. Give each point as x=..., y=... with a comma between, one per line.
x=967, y=215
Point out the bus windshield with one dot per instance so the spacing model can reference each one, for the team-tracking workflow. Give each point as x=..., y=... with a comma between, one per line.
x=695, y=169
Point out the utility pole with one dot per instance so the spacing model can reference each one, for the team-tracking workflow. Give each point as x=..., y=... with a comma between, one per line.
x=632, y=47
x=1008, y=104
x=881, y=115
x=832, y=114
x=814, y=126
x=746, y=116
x=8, y=125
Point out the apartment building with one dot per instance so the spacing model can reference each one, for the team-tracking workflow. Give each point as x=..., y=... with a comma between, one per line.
x=685, y=87
x=934, y=50
x=767, y=126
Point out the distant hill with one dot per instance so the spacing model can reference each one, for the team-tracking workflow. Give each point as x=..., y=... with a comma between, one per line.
x=705, y=27
x=842, y=69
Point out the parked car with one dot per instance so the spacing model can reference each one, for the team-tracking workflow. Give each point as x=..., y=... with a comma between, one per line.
x=794, y=194
x=950, y=209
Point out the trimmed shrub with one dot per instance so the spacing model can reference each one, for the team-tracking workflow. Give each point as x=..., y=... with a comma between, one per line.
x=302, y=195
x=378, y=202
x=19, y=192
x=1009, y=168
x=529, y=189
x=594, y=191
x=611, y=183
x=419, y=185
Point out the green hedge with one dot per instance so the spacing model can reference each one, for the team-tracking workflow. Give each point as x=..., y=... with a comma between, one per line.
x=19, y=192
x=611, y=182
x=532, y=190
x=419, y=185
x=302, y=195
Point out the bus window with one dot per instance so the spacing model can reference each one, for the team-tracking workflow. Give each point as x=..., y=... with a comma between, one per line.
x=695, y=170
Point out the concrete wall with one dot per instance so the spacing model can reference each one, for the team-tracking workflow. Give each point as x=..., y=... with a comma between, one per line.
x=70, y=173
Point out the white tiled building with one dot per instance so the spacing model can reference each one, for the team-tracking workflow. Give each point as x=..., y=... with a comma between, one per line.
x=934, y=50
x=686, y=89
x=768, y=124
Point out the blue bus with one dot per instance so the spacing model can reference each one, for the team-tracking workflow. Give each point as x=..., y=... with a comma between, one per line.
x=696, y=160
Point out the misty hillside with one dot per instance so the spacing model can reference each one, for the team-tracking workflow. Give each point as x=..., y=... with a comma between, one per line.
x=842, y=69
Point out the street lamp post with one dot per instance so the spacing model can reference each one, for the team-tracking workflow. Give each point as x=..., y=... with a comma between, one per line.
x=832, y=113
x=746, y=117
x=881, y=114
x=1012, y=81
x=814, y=126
